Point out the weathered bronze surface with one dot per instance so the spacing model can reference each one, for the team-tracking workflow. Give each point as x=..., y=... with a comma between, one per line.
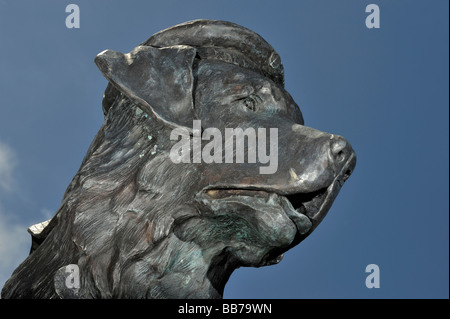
x=138, y=225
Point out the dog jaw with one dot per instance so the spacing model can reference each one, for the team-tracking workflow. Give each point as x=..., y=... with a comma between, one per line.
x=273, y=214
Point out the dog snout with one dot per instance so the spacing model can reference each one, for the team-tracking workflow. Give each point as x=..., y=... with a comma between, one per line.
x=338, y=147
x=322, y=155
x=340, y=151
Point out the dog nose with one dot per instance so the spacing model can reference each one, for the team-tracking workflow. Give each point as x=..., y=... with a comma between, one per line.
x=340, y=149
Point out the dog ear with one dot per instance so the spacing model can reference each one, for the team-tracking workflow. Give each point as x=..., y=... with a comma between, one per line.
x=159, y=80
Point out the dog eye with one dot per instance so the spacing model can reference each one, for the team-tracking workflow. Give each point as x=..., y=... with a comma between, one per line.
x=251, y=102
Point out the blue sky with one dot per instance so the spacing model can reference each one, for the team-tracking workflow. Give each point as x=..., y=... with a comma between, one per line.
x=385, y=90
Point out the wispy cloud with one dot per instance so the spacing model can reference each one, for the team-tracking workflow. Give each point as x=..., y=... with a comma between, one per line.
x=14, y=238
x=8, y=162
x=14, y=245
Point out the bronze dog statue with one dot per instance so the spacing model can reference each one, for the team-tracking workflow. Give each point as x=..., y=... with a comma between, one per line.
x=153, y=215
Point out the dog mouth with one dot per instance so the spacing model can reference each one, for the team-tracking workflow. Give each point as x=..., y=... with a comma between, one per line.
x=305, y=210
x=315, y=205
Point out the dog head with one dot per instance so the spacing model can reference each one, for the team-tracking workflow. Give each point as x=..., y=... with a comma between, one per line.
x=165, y=204
x=234, y=90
